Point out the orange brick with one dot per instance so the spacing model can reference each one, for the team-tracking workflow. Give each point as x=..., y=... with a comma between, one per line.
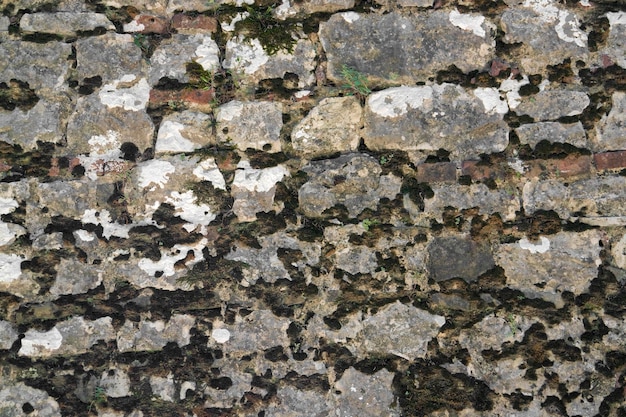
x=610, y=160
x=437, y=172
x=571, y=166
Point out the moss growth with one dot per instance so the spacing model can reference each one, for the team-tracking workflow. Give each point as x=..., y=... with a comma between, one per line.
x=273, y=35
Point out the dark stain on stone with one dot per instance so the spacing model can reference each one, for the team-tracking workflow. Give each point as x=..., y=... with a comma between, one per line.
x=17, y=94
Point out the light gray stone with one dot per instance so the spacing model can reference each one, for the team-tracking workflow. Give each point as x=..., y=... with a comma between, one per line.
x=154, y=335
x=291, y=9
x=549, y=34
x=14, y=396
x=4, y=25
x=552, y=265
x=585, y=199
x=74, y=277
x=356, y=260
x=428, y=118
x=103, y=122
x=400, y=330
x=295, y=402
x=404, y=49
x=458, y=257
x=170, y=59
x=258, y=331
x=533, y=133
x=64, y=23
x=116, y=383
x=254, y=189
x=184, y=132
x=552, y=104
x=330, y=127
x=503, y=201
x=8, y=335
x=42, y=66
x=254, y=125
x=110, y=57
x=618, y=250
x=249, y=61
x=163, y=387
x=70, y=337
x=352, y=180
x=365, y=395
x=42, y=123
x=611, y=129
x=195, y=5
x=153, y=6
x=241, y=384
x=68, y=199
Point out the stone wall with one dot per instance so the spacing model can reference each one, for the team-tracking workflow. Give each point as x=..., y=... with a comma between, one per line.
x=325, y=207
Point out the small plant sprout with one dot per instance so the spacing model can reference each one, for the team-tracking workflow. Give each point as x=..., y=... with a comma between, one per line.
x=368, y=223
x=355, y=82
x=99, y=397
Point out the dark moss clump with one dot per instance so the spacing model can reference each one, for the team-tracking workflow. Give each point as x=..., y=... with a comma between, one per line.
x=273, y=35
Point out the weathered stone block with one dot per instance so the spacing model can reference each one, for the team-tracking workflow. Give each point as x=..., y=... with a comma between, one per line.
x=552, y=104
x=611, y=129
x=458, y=257
x=404, y=49
x=95, y=56
x=154, y=335
x=250, y=125
x=330, y=127
x=64, y=23
x=573, y=134
x=610, y=160
x=184, y=132
x=429, y=118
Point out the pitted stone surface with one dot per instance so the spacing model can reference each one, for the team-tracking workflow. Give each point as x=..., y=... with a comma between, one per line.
x=552, y=266
x=435, y=117
x=254, y=125
x=42, y=123
x=401, y=49
x=365, y=395
x=154, y=335
x=13, y=397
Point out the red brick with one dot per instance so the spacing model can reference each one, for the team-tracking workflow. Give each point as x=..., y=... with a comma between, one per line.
x=610, y=160
x=152, y=24
x=200, y=23
x=571, y=166
x=476, y=171
x=196, y=99
x=437, y=172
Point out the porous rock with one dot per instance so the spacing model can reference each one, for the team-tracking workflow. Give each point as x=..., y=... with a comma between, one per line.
x=184, y=132
x=154, y=335
x=365, y=395
x=552, y=104
x=611, y=129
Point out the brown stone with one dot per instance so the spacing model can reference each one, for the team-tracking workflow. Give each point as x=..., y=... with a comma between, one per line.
x=197, y=99
x=477, y=171
x=437, y=172
x=152, y=24
x=610, y=160
x=184, y=23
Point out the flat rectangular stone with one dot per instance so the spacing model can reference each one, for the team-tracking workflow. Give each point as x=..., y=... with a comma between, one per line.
x=571, y=166
x=533, y=133
x=437, y=172
x=194, y=24
x=591, y=197
x=64, y=23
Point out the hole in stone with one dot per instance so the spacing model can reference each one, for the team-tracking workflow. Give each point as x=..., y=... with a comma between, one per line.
x=27, y=408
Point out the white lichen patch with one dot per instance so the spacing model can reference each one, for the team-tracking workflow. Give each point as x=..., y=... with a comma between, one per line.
x=568, y=29
x=170, y=257
x=230, y=26
x=468, y=22
x=247, y=56
x=491, y=100
x=350, y=17
x=187, y=209
x=7, y=205
x=394, y=102
x=207, y=170
x=35, y=343
x=616, y=18
x=170, y=138
x=105, y=144
x=220, y=335
x=207, y=54
x=128, y=93
x=154, y=172
x=133, y=26
x=258, y=180
x=230, y=111
x=109, y=228
x=10, y=267
x=511, y=88
x=541, y=247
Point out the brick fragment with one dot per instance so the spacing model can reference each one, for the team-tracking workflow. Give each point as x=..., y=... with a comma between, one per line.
x=197, y=99
x=570, y=166
x=4, y=167
x=610, y=160
x=437, y=172
x=146, y=23
x=194, y=24
x=477, y=171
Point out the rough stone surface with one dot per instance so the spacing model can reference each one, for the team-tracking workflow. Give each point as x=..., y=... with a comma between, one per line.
x=332, y=126
x=346, y=180
x=549, y=34
x=436, y=117
x=250, y=61
x=254, y=125
x=289, y=9
x=172, y=56
x=611, y=130
x=154, y=335
x=184, y=132
x=565, y=262
x=14, y=397
x=397, y=48
x=42, y=123
x=8, y=335
x=94, y=55
x=64, y=23
x=254, y=190
x=454, y=257
x=358, y=395
x=533, y=133
x=75, y=278
x=615, y=44
x=552, y=104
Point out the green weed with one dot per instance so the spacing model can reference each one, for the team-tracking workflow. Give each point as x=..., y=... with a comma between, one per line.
x=355, y=82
